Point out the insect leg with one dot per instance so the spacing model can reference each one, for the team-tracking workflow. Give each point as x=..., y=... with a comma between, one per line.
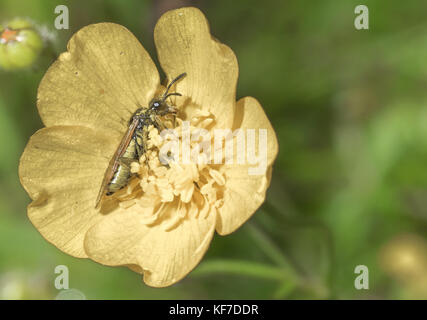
x=158, y=125
x=139, y=145
x=140, y=138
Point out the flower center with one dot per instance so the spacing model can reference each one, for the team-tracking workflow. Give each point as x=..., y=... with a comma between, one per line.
x=175, y=178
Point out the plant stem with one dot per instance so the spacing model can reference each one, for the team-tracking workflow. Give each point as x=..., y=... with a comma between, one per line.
x=246, y=268
x=271, y=249
x=284, y=289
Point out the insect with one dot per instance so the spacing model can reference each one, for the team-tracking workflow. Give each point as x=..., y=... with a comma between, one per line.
x=132, y=145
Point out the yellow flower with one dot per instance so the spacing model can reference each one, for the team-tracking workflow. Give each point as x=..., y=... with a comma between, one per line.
x=162, y=223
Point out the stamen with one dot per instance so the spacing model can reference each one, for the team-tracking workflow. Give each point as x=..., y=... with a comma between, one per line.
x=177, y=190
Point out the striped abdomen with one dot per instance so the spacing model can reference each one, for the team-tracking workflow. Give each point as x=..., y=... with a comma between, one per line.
x=123, y=174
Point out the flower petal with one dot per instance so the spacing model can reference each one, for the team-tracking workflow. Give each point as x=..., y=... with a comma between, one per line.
x=184, y=44
x=61, y=169
x=250, y=115
x=243, y=195
x=245, y=191
x=100, y=81
x=164, y=256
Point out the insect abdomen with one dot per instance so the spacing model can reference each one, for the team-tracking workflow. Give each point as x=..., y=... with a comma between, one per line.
x=122, y=174
x=120, y=179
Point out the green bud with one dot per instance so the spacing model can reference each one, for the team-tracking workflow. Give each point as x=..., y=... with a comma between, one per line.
x=20, y=44
x=19, y=23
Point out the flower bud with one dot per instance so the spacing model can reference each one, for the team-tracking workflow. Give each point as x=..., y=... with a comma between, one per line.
x=20, y=44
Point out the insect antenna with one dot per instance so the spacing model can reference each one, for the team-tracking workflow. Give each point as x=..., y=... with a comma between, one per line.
x=171, y=94
x=166, y=94
x=182, y=75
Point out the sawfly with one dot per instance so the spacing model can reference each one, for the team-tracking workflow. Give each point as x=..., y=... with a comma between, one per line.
x=133, y=143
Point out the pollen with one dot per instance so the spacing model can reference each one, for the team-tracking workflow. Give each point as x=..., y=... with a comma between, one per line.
x=166, y=187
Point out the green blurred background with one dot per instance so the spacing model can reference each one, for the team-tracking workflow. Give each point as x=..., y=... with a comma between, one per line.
x=349, y=185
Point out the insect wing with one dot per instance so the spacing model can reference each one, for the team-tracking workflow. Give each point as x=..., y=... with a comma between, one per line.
x=112, y=167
